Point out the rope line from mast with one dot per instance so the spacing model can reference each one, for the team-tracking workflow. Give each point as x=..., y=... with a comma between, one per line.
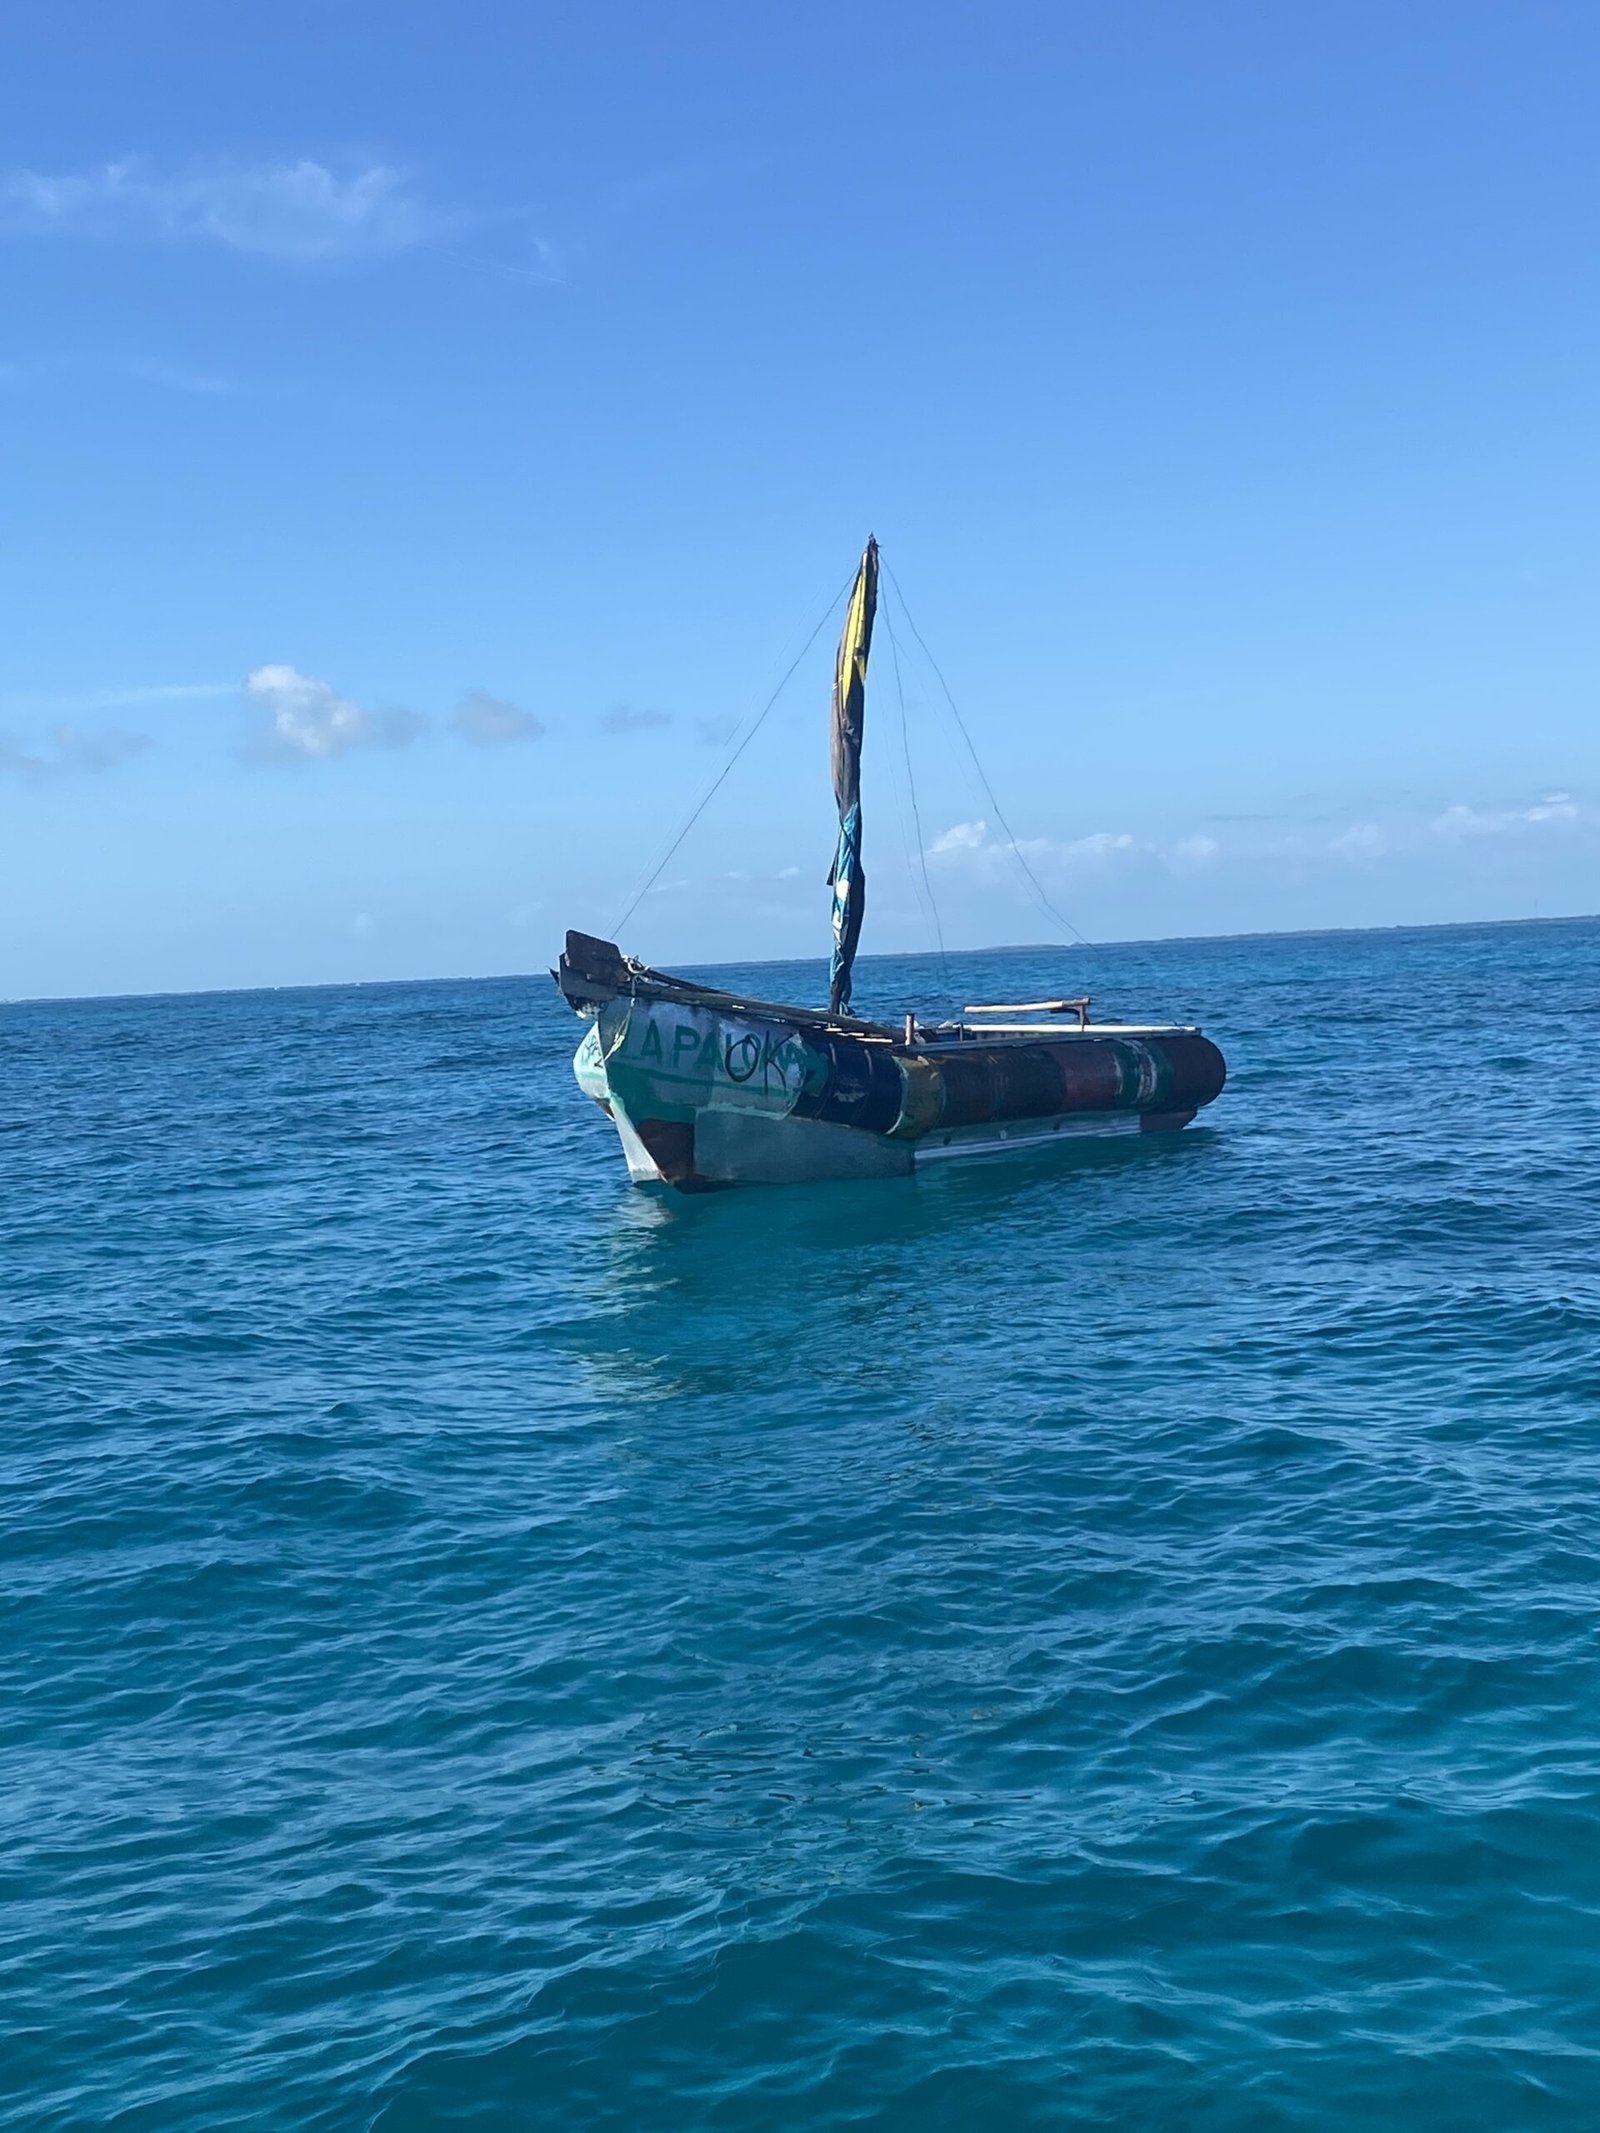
x=737, y=750
x=1044, y=902
x=911, y=785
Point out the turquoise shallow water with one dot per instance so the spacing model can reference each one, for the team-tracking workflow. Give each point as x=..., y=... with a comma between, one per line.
x=1100, y=1640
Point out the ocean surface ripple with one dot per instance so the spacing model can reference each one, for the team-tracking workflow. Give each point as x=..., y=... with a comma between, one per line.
x=1100, y=1639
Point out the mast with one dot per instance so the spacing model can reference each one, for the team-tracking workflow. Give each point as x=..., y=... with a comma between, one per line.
x=848, y=881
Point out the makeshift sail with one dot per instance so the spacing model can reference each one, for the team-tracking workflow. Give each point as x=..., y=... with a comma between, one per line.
x=849, y=714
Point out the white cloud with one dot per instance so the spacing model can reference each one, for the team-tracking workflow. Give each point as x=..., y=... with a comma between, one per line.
x=72, y=749
x=78, y=750
x=487, y=720
x=302, y=718
x=622, y=718
x=15, y=759
x=166, y=377
x=1195, y=851
x=979, y=853
x=1461, y=821
x=172, y=692
x=173, y=378
x=1103, y=844
x=302, y=211
x=960, y=837
x=971, y=842
x=1362, y=840
x=27, y=706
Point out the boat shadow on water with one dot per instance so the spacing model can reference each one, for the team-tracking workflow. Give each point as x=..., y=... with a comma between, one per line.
x=658, y=1236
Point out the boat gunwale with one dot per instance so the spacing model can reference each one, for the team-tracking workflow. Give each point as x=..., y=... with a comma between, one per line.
x=630, y=979
x=684, y=992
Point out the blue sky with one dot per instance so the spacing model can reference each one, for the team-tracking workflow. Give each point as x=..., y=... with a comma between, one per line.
x=428, y=432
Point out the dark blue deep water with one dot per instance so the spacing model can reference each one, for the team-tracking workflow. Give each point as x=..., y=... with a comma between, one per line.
x=1097, y=1640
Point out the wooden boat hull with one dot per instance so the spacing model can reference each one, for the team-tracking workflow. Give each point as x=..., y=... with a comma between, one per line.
x=707, y=1090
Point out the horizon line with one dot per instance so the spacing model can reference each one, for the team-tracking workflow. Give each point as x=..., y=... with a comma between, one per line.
x=1161, y=940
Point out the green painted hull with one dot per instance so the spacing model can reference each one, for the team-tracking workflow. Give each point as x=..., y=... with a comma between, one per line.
x=706, y=1094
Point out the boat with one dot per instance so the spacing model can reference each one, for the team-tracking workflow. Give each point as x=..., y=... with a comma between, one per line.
x=709, y=1089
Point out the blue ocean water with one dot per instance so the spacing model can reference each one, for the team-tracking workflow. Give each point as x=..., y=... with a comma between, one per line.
x=1101, y=1639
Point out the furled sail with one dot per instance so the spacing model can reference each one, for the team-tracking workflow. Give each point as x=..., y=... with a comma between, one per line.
x=849, y=714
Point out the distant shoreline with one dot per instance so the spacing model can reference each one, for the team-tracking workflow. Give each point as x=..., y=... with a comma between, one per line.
x=785, y=962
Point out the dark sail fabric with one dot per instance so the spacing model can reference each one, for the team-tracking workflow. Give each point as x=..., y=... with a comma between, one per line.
x=849, y=714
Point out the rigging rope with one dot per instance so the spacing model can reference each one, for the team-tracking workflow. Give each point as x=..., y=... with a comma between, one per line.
x=1044, y=902
x=742, y=744
x=911, y=783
